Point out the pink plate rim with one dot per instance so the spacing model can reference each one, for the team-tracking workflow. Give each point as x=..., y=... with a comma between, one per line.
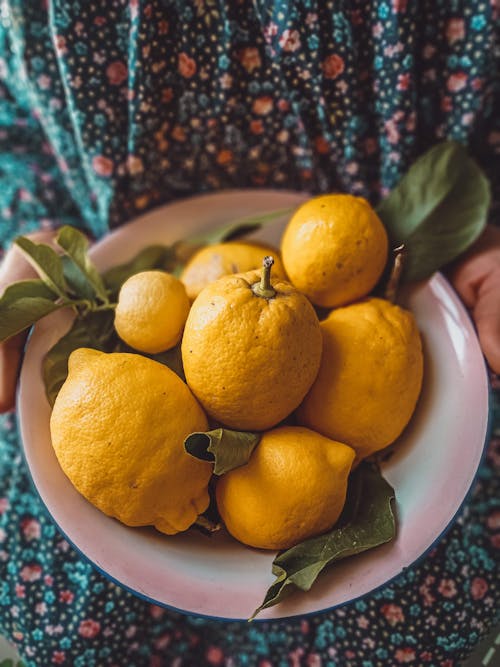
x=183, y=573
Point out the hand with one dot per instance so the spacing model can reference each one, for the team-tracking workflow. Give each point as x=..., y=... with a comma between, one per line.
x=476, y=278
x=14, y=267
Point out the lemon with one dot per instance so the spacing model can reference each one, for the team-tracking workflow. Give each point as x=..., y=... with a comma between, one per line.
x=293, y=487
x=118, y=426
x=370, y=376
x=151, y=311
x=334, y=249
x=222, y=259
x=251, y=351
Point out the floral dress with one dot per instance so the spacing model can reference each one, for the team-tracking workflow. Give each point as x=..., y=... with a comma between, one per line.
x=111, y=107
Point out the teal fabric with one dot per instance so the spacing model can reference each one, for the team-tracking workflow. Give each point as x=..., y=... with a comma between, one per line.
x=109, y=109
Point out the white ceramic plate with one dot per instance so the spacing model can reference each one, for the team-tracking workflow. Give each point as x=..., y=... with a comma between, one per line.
x=432, y=469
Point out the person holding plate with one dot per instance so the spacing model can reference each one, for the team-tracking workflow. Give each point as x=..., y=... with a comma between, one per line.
x=110, y=109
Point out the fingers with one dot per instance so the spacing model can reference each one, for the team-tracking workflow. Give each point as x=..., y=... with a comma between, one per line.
x=10, y=357
x=486, y=315
x=15, y=267
x=476, y=277
x=468, y=274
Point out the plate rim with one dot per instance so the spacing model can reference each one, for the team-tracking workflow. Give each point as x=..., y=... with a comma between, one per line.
x=107, y=238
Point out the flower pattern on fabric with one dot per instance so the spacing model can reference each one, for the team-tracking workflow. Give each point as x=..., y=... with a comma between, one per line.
x=110, y=108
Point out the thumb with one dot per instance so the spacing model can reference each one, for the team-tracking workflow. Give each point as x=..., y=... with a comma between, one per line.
x=486, y=315
x=10, y=357
x=14, y=267
x=476, y=277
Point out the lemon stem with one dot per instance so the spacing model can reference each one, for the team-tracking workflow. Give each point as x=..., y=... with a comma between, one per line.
x=391, y=290
x=264, y=287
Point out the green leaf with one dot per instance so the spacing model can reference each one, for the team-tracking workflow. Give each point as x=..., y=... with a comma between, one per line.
x=46, y=262
x=228, y=449
x=81, y=272
x=78, y=286
x=366, y=522
x=9, y=662
x=235, y=230
x=153, y=257
x=94, y=329
x=171, y=358
x=24, y=303
x=438, y=209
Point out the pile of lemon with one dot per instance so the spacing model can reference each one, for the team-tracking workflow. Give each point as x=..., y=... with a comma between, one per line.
x=324, y=394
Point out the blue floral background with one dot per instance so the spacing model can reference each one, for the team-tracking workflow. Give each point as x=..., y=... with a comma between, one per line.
x=110, y=108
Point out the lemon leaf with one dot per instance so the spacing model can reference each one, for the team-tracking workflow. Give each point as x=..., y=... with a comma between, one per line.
x=152, y=257
x=46, y=262
x=78, y=286
x=23, y=303
x=366, y=522
x=80, y=271
x=228, y=449
x=438, y=209
x=94, y=329
x=239, y=228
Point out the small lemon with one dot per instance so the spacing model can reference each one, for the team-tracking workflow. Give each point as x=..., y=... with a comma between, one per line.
x=151, y=311
x=334, y=249
x=370, y=376
x=293, y=487
x=251, y=349
x=118, y=427
x=222, y=259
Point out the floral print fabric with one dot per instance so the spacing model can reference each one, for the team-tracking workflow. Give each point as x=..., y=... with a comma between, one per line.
x=113, y=107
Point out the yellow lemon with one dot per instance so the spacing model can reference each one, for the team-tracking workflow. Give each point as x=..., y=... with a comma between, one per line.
x=151, y=311
x=251, y=349
x=334, y=249
x=370, y=376
x=222, y=259
x=118, y=426
x=293, y=487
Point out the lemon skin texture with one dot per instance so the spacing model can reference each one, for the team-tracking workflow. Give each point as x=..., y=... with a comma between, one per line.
x=250, y=360
x=334, y=249
x=118, y=427
x=370, y=376
x=151, y=311
x=222, y=259
x=293, y=487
